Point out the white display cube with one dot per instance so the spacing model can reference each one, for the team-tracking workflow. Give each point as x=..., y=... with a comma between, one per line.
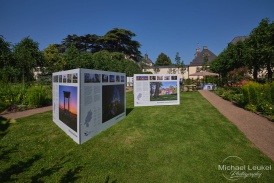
x=86, y=102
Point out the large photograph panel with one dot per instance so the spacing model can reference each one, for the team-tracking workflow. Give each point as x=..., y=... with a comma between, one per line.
x=162, y=91
x=68, y=106
x=156, y=89
x=113, y=102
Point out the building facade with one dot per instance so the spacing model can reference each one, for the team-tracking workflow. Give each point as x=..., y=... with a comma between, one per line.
x=201, y=59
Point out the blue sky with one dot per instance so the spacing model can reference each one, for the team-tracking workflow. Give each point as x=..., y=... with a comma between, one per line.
x=167, y=26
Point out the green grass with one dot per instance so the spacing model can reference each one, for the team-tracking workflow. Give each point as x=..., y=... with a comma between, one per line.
x=181, y=143
x=164, y=97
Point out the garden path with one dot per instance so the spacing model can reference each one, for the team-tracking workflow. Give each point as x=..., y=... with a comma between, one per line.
x=259, y=130
x=21, y=114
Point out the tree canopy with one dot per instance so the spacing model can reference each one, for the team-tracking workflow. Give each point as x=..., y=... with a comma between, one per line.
x=8, y=70
x=256, y=52
x=115, y=40
x=163, y=60
x=27, y=57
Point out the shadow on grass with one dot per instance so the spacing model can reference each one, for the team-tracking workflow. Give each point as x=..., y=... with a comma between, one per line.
x=9, y=174
x=108, y=180
x=21, y=166
x=128, y=110
x=71, y=175
x=5, y=153
x=4, y=125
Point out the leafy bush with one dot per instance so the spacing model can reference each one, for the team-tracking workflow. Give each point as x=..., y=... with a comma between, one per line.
x=266, y=108
x=272, y=91
x=251, y=93
x=239, y=99
x=17, y=96
x=37, y=96
x=251, y=107
x=252, y=96
x=260, y=96
x=3, y=106
x=12, y=93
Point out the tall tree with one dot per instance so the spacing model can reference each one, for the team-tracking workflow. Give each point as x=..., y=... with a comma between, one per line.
x=163, y=60
x=156, y=68
x=262, y=47
x=120, y=40
x=8, y=70
x=28, y=57
x=53, y=60
x=71, y=57
x=179, y=63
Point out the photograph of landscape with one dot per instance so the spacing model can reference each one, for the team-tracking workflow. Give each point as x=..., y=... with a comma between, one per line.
x=163, y=91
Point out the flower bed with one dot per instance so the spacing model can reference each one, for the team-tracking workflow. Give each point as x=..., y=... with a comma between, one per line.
x=252, y=96
x=17, y=97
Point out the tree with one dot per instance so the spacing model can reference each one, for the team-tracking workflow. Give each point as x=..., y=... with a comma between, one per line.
x=179, y=64
x=8, y=70
x=86, y=43
x=120, y=40
x=262, y=47
x=163, y=60
x=155, y=89
x=54, y=62
x=116, y=62
x=72, y=58
x=232, y=57
x=156, y=68
x=27, y=57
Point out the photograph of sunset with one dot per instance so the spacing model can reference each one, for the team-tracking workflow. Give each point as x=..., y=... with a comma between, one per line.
x=68, y=106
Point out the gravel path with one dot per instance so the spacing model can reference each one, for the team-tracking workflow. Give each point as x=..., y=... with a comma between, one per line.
x=26, y=113
x=259, y=130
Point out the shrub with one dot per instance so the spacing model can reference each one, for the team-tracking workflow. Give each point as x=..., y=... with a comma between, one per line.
x=37, y=96
x=272, y=92
x=3, y=106
x=251, y=93
x=239, y=99
x=266, y=108
x=12, y=93
x=251, y=107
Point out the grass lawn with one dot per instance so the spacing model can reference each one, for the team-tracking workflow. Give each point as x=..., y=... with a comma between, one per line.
x=181, y=143
x=164, y=97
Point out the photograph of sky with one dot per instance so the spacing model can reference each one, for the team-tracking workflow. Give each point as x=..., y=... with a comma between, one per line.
x=160, y=26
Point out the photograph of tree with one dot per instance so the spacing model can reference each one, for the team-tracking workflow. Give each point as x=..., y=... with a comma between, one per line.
x=69, y=79
x=55, y=79
x=64, y=78
x=163, y=91
x=60, y=78
x=75, y=78
x=92, y=78
x=68, y=106
x=113, y=102
x=104, y=78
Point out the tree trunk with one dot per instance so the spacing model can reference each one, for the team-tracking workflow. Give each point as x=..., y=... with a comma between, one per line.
x=255, y=73
x=156, y=93
x=269, y=71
